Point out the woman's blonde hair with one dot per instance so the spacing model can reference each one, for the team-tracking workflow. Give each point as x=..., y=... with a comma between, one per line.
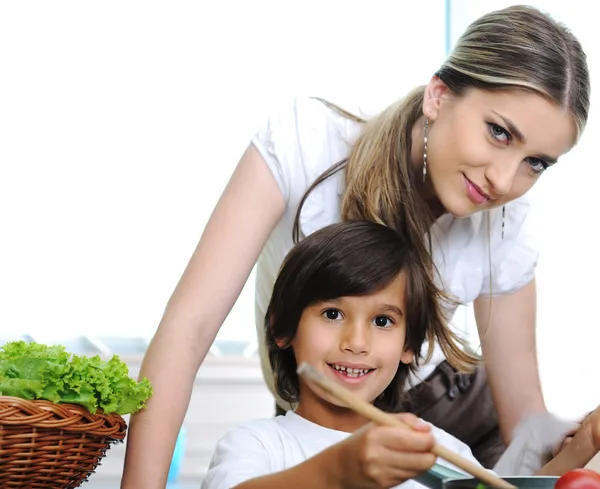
x=516, y=47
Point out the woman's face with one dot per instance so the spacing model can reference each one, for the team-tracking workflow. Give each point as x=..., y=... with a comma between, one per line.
x=487, y=148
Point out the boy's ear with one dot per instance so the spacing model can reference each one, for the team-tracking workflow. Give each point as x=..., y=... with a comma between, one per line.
x=282, y=343
x=407, y=357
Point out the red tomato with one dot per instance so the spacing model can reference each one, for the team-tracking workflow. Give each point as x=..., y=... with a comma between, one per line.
x=579, y=479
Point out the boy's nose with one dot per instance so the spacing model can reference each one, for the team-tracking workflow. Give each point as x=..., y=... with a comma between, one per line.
x=356, y=338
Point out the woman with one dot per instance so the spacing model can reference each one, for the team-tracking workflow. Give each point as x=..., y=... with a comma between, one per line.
x=448, y=165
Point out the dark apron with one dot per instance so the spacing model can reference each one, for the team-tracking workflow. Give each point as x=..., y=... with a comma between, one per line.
x=462, y=405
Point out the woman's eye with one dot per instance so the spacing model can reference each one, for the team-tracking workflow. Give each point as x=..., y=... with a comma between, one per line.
x=537, y=165
x=332, y=314
x=499, y=133
x=383, y=321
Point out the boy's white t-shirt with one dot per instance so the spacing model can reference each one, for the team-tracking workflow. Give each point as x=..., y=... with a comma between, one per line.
x=306, y=138
x=266, y=446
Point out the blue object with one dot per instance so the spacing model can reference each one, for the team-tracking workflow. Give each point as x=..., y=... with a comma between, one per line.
x=448, y=26
x=178, y=456
x=434, y=478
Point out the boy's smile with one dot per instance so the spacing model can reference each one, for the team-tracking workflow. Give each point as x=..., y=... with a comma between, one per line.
x=358, y=341
x=352, y=372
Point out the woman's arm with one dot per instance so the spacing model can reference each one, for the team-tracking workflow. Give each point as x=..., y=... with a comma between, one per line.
x=234, y=236
x=584, y=446
x=506, y=325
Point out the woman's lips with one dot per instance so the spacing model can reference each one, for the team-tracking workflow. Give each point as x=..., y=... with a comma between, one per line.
x=475, y=194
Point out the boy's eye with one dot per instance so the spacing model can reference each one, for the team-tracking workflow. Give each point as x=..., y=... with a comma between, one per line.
x=332, y=314
x=383, y=321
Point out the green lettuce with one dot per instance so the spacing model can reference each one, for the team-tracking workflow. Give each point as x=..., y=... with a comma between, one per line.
x=35, y=371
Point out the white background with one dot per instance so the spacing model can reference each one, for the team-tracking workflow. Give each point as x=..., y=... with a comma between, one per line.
x=120, y=123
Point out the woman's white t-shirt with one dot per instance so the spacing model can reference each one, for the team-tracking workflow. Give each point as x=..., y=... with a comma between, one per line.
x=303, y=140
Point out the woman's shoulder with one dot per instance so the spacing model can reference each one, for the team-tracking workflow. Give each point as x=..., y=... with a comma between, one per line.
x=308, y=119
x=300, y=139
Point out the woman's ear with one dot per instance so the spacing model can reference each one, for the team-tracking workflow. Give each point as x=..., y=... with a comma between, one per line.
x=434, y=91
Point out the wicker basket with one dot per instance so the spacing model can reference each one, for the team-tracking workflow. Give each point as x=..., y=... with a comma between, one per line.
x=52, y=446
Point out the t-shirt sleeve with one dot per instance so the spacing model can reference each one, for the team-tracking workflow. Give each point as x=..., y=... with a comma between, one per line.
x=300, y=140
x=239, y=456
x=514, y=257
x=452, y=443
x=276, y=139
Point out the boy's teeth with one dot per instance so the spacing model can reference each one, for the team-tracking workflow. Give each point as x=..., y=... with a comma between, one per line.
x=351, y=372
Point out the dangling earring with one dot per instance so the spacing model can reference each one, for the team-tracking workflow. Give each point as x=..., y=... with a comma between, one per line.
x=503, y=215
x=425, y=148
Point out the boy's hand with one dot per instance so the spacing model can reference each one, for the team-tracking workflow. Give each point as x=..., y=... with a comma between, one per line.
x=383, y=457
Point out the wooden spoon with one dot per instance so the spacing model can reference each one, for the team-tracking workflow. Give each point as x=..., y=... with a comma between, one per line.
x=381, y=418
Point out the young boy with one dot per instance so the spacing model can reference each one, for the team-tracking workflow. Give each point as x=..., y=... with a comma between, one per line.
x=355, y=302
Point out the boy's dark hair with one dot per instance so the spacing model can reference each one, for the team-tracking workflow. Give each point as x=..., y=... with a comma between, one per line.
x=356, y=258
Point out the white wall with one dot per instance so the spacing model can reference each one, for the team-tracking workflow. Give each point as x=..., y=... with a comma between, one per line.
x=121, y=122
x=565, y=201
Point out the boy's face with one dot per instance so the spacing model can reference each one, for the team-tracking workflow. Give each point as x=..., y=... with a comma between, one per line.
x=357, y=341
